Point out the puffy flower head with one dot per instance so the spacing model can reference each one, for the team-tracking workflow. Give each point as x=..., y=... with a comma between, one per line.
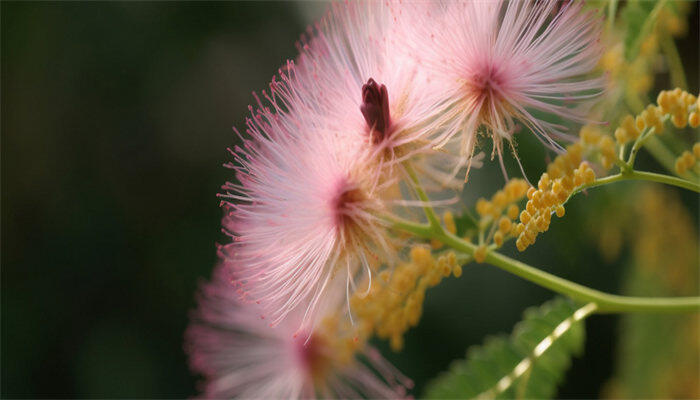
x=358, y=79
x=499, y=62
x=314, y=171
x=304, y=209
x=240, y=356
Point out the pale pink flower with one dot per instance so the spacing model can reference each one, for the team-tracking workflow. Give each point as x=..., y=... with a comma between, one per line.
x=498, y=62
x=303, y=210
x=356, y=78
x=240, y=356
x=320, y=159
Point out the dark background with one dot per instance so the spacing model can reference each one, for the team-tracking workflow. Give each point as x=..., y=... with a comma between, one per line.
x=115, y=120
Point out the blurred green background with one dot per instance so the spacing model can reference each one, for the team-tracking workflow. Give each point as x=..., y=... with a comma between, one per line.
x=115, y=121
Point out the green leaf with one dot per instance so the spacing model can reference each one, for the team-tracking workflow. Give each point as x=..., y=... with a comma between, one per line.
x=527, y=364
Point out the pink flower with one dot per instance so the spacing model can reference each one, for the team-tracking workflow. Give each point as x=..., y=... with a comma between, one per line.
x=320, y=160
x=304, y=208
x=239, y=355
x=357, y=79
x=498, y=62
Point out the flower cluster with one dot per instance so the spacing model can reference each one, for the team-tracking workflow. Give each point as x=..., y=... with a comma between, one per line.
x=681, y=106
x=311, y=270
x=497, y=62
x=500, y=213
x=566, y=174
x=630, y=75
x=570, y=172
x=241, y=356
x=688, y=160
x=677, y=105
x=394, y=303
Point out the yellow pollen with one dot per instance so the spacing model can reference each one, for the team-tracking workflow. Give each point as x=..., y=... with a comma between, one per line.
x=395, y=305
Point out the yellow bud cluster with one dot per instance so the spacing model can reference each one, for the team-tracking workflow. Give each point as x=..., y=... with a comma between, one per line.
x=503, y=228
x=563, y=165
x=687, y=160
x=502, y=200
x=607, y=152
x=681, y=105
x=395, y=301
x=501, y=211
x=340, y=342
x=592, y=137
x=650, y=118
x=613, y=61
x=627, y=131
x=550, y=198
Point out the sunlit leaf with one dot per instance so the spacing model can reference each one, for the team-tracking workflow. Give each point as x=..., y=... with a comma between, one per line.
x=527, y=364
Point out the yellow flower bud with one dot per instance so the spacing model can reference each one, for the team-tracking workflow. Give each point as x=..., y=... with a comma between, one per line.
x=498, y=238
x=694, y=119
x=560, y=211
x=480, y=254
x=513, y=211
x=504, y=225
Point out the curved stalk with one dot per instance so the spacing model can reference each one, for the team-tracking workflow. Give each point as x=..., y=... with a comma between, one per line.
x=612, y=9
x=429, y=212
x=643, y=176
x=606, y=302
x=675, y=65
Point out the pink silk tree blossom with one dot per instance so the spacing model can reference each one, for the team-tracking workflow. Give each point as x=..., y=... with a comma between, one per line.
x=357, y=78
x=240, y=356
x=304, y=209
x=319, y=162
x=499, y=62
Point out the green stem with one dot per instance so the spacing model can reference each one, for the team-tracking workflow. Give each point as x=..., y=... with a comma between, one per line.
x=429, y=212
x=612, y=9
x=600, y=182
x=667, y=179
x=420, y=230
x=639, y=143
x=646, y=28
x=606, y=303
x=643, y=176
x=675, y=65
x=657, y=149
